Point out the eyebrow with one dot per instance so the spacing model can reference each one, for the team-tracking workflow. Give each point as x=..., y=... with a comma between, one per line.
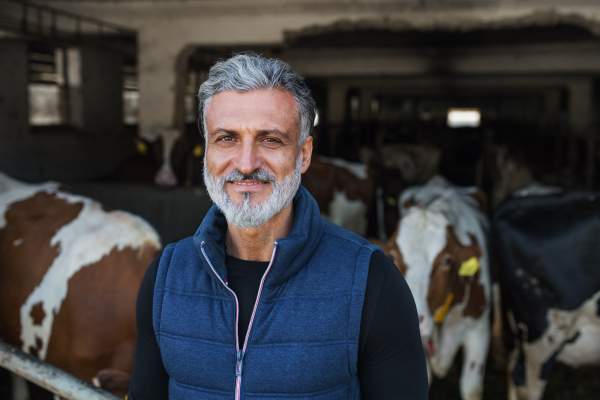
x=273, y=132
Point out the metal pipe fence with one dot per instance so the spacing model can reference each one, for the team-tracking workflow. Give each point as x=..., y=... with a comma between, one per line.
x=59, y=382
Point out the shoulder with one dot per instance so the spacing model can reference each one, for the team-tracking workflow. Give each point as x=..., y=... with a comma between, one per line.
x=385, y=281
x=335, y=232
x=183, y=243
x=182, y=247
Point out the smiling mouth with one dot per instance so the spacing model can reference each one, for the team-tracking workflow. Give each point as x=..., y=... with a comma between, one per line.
x=246, y=183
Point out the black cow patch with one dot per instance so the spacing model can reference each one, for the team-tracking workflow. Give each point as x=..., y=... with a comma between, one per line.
x=547, y=366
x=598, y=307
x=545, y=249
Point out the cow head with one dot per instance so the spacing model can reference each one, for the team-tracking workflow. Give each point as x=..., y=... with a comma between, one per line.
x=435, y=264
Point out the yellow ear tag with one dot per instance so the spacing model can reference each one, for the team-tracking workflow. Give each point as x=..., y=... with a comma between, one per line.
x=141, y=148
x=391, y=201
x=197, y=152
x=441, y=314
x=469, y=267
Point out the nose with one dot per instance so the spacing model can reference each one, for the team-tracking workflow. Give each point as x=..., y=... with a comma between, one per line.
x=248, y=159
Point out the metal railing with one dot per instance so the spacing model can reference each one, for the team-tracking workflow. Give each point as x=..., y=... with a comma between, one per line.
x=50, y=23
x=49, y=377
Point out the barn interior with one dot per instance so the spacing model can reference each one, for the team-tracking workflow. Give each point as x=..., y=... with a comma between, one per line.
x=87, y=88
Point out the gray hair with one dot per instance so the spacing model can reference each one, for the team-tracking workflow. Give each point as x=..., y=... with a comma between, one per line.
x=249, y=71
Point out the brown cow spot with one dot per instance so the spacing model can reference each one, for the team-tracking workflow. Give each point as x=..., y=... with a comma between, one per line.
x=37, y=313
x=95, y=327
x=444, y=277
x=34, y=351
x=323, y=179
x=481, y=199
x=31, y=222
x=409, y=203
x=477, y=302
x=391, y=249
x=114, y=381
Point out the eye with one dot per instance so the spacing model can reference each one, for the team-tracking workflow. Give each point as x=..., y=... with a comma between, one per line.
x=225, y=139
x=271, y=140
x=393, y=257
x=446, y=261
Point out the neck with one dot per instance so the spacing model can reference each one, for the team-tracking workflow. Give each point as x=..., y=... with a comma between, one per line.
x=256, y=244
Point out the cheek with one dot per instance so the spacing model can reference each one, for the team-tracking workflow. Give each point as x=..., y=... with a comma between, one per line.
x=281, y=165
x=216, y=161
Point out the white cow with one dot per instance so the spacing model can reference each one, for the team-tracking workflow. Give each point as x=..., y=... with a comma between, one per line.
x=444, y=259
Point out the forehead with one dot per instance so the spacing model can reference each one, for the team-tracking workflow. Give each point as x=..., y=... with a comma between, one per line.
x=254, y=110
x=422, y=234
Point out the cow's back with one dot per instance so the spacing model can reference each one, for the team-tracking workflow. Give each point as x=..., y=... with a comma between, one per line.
x=546, y=249
x=69, y=275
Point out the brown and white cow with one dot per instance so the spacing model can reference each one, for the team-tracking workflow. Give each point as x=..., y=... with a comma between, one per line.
x=343, y=190
x=169, y=160
x=70, y=271
x=440, y=248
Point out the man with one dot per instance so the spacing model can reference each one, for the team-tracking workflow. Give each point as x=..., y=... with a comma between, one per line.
x=268, y=300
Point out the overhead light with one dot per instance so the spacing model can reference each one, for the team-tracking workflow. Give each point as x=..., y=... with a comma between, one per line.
x=464, y=117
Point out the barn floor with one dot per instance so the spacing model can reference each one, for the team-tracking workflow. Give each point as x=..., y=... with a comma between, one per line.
x=566, y=384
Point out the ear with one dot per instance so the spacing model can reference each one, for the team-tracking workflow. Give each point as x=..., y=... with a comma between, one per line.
x=481, y=199
x=306, y=152
x=467, y=253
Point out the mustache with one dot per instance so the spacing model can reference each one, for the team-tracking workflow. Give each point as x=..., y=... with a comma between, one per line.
x=256, y=175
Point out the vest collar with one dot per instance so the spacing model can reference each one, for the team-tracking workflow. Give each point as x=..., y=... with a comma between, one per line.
x=293, y=251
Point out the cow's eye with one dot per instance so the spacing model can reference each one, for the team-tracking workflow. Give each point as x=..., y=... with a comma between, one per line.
x=393, y=257
x=446, y=261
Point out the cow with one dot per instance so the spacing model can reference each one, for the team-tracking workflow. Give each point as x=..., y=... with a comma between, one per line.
x=417, y=163
x=70, y=270
x=547, y=251
x=440, y=246
x=395, y=167
x=170, y=160
x=343, y=190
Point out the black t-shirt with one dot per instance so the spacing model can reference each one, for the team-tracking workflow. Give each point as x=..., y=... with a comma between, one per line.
x=391, y=361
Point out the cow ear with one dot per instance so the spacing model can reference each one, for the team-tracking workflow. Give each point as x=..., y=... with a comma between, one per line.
x=481, y=199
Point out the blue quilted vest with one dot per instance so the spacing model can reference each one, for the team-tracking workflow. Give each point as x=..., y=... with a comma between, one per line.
x=302, y=340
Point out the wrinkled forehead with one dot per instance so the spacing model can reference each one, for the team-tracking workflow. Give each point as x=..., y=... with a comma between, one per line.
x=422, y=235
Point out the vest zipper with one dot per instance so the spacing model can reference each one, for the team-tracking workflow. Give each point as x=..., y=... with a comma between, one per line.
x=240, y=353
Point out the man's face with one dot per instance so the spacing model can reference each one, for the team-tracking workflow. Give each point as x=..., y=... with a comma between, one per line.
x=253, y=158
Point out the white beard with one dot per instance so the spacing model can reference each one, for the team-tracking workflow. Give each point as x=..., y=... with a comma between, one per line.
x=246, y=215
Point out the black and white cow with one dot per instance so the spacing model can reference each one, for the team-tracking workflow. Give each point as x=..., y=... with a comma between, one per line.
x=547, y=253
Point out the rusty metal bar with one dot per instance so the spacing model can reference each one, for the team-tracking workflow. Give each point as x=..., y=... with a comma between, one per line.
x=49, y=377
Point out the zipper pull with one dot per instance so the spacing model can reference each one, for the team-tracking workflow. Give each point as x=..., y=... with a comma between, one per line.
x=240, y=360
